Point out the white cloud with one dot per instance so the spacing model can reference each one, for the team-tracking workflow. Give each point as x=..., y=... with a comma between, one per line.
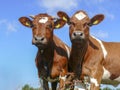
x=3, y=21
x=100, y=34
x=53, y=5
x=102, y=10
x=100, y=0
x=107, y=13
x=98, y=6
x=9, y=26
x=89, y=2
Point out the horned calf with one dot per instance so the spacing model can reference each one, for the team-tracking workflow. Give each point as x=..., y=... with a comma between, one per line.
x=52, y=55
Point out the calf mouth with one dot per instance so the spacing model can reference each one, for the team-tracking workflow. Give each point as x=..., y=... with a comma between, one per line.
x=40, y=45
x=77, y=41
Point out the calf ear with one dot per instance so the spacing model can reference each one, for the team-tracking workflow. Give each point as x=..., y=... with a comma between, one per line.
x=63, y=16
x=96, y=19
x=26, y=21
x=59, y=23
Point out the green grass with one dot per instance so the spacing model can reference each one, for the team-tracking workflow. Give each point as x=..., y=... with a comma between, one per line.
x=27, y=87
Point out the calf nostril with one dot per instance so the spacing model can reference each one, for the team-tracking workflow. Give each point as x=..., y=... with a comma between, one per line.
x=35, y=38
x=42, y=38
x=74, y=34
x=81, y=34
x=39, y=39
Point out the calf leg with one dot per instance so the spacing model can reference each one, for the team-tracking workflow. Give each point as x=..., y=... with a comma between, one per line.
x=95, y=79
x=93, y=87
x=91, y=83
x=62, y=82
x=45, y=85
x=54, y=85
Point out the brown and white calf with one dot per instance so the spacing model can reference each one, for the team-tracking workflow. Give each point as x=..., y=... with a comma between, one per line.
x=91, y=57
x=52, y=55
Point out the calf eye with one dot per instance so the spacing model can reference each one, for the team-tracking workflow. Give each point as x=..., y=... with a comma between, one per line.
x=50, y=26
x=72, y=23
x=33, y=26
x=85, y=24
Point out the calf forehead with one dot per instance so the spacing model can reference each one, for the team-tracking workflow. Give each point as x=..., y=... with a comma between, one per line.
x=42, y=19
x=80, y=17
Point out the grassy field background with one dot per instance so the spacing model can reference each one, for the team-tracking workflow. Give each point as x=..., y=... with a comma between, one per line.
x=27, y=87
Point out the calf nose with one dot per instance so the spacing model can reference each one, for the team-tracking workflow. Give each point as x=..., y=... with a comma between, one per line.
x=78, y=34
x=39, y=39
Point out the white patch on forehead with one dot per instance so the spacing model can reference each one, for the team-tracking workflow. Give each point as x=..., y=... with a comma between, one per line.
x=80, y=15
x=106, y=74
x=93, y=80
x=102, y=46
x=43, y=20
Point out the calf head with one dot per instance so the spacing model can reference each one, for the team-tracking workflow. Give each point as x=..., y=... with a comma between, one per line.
x=79, y=25
x=42, y=28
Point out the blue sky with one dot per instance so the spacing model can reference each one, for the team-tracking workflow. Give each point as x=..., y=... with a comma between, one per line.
x=17, y=54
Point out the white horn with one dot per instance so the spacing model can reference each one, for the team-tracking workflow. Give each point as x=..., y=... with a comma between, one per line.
x=32, y=16
x=54, y=18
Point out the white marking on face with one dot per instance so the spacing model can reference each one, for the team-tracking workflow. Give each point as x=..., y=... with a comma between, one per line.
x=80, y=15
x=106, y=74
x=68, y=51
x=43, y=20
x=102, y=46
x=93, y=80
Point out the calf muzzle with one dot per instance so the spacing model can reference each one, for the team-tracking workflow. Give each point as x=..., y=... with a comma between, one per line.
x=39, y=41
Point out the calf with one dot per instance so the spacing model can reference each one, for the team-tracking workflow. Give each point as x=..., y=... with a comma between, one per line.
x=52, y=55
x=90, y=57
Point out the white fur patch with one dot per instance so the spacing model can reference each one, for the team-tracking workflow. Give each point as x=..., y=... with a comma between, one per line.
x=80, y=15
x=102, y=46
x=118, y=79
x=63, y=78
x=106, y=74
x=43, y=20
x=93, y=80
x=68, y=51
x=41, y=82
x=45, y=67
x=77, y=88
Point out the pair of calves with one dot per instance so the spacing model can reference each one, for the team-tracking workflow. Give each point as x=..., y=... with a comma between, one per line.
x=88, y=57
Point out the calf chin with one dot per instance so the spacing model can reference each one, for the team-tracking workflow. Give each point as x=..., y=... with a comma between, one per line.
x=78, y=43
x=41, y=46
